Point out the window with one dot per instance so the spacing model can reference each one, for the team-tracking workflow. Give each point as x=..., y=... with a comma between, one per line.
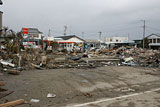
x=116, y=40
x=154, y=40
x=64, y=44
x=110, y=40
x=158, y=41
x=91, y=45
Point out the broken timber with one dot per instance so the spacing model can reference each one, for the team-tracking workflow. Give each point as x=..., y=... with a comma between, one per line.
x=2, y=83
x=12, y=103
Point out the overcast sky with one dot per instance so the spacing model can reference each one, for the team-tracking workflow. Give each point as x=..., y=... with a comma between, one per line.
x=111, y=17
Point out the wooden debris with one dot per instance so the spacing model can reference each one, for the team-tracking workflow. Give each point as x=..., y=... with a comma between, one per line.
x=1, y=74
x=13, y=103
x=44, y=60
x=36, y=66
x=4, y=94
x=14, y=72
x=2, y=83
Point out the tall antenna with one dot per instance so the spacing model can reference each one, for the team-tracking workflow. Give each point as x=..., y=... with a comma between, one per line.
x=65, y=30
x=100, y=34
x=128, y=37
x=49, y=33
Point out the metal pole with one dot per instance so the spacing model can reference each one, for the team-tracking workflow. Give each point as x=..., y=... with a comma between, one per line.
x=144, y=30
x=100, y=34
x=65, y=30
x=82, y=35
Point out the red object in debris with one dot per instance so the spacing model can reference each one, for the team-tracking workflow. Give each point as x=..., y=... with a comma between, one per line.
x=25, y=30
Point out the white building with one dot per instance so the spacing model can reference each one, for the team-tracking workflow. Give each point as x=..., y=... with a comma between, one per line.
x=111, y=40
x=154, y=40
x=69, y=42
x=32, y=33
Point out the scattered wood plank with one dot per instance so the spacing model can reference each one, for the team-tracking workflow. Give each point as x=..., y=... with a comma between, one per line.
x=4, y=94
x=2, y=83
x=13, y=103
x=14, y=72
x=36, y=66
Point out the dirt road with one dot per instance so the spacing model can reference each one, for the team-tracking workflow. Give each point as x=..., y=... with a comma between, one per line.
x=78, y=86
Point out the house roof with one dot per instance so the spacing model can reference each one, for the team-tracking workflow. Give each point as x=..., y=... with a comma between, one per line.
x=32, y=31
x=69, y=37
x=157, y=34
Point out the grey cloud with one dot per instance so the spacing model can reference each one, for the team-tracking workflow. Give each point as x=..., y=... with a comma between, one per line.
x=112, y=17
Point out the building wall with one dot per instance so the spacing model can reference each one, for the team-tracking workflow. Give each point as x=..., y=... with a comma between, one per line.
x=154, y=40
x=110, y=40
x=69, y=44
x=74, y=39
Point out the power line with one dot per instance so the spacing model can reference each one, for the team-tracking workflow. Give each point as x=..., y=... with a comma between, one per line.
x=153, y=28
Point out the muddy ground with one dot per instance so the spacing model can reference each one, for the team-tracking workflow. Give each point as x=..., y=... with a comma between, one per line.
x=78, y=86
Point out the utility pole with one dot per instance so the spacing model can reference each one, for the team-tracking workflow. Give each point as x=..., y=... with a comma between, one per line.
x=144, y=31
x=65, y=30
x=49, y=33
x=1, y=3
x=100, y=35
x=1, y=13
x=82, y=35
x=128, y=37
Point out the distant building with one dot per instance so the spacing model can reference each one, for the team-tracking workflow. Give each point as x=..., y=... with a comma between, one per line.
x=47, y=42
x=69, y=42
x=32, y=38
x=93, y=44
x=138, y=42
x=116, y=41
x=154, y=41
x=32, y=33
x=110, y=40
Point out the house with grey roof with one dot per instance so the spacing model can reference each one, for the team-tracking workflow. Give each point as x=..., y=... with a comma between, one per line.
x=154, y=41
x=69, y=42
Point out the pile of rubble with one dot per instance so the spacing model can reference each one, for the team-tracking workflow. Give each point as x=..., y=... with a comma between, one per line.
x=117, y=57
x=135, y=56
